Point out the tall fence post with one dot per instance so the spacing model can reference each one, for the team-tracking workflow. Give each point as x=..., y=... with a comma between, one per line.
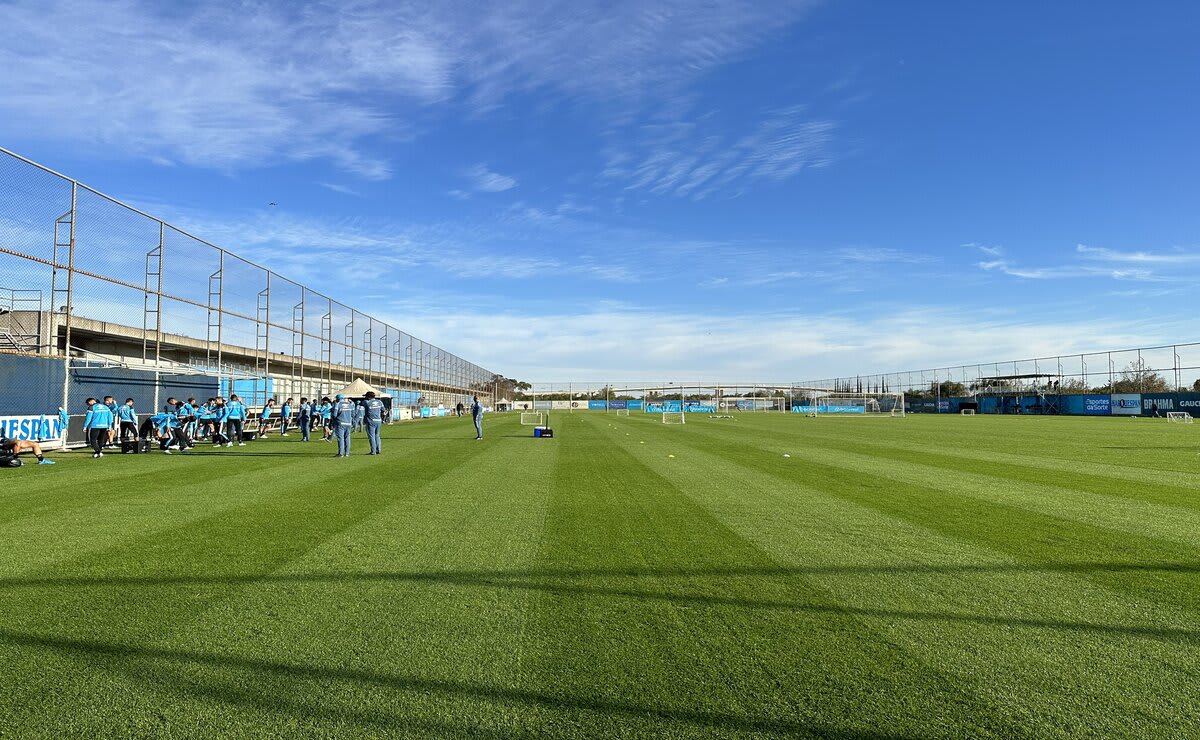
x=66, y=387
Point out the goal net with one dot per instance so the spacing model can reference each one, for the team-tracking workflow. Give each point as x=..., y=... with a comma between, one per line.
x=752, y=403
x=1179, y=417
x=967, y=412
x=673, y=417
x=622, y=412
x=831, y=403
x=533, y=418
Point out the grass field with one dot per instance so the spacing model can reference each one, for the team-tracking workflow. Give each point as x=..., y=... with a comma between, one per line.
x=920, y=577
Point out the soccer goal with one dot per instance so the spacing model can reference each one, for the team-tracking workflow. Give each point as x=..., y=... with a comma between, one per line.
x=752, y=403
x=622, y=412
x=967, y=412
x=533, y=418
x=833, y=403
x=1179, y=417
x=674, y=417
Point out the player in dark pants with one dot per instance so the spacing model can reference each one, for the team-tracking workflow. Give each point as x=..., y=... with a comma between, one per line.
x=477, y=416
x=97, y=424
x=16, y=447
x=128, y=418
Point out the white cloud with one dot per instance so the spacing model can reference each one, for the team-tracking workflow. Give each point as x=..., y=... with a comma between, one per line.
x=698, y=159
x=335, y=187
x=231, y=86
x=630, y=345
x=1176, y=257
x=485, y=181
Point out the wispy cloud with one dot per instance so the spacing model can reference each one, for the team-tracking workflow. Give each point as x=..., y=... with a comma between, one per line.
x=992, y=250
x=697, y=159
x=335, y=187
x=1098, y=262
x=1174, y=257
x=227, y=87
x=485, y=181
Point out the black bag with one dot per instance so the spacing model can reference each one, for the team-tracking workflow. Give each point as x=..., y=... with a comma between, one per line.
x=10, y=461
x=131, y=445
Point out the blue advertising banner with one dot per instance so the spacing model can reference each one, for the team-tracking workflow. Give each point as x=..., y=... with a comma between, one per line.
x=1127, y=404
x=661, y=406
x=825, y=409
x=1189, y=402
x=1160, y=404
x=617, y=405
x=597, y=405
x=42, y=428
x=695, y=407
x=1097, y=405
x=633, y=405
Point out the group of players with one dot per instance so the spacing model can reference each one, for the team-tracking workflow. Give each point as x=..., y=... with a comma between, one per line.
x=181, y=424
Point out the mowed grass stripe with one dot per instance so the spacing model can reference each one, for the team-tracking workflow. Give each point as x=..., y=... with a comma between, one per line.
x=978, y=606
x=1136, y=566
x=653, y=624
x=1182, y=495
x=1122, y=515
x=415, y=631
x=196, y=565
x=81, y=507
x=1151, y=481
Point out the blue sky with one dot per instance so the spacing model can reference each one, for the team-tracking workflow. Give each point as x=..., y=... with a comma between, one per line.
x=658, y=189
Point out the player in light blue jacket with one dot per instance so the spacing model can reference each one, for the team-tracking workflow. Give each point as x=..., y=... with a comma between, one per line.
x=127, y=416
x=235, y=417
x=285, y=417
x=96, y=424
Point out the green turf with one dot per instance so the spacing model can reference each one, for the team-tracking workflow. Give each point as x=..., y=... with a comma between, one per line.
x=920, y=577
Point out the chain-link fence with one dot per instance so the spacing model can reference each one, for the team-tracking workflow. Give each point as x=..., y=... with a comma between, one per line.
x=1167, y=368
x=91, y=282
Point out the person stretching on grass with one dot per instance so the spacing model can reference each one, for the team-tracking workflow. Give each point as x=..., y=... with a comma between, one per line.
x=16, y=447
x=96, y=425
x=343, y=424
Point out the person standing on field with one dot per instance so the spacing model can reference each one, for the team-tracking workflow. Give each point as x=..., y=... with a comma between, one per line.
x=477, y=416
x=129, y=421
x=304, y=419
x=342, y=416
x=285, y=417
x=235, y=417
x=96, y=424
x=372, y=411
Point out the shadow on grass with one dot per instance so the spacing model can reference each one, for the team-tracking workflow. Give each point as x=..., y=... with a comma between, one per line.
x=418, y=685
x=574, y=583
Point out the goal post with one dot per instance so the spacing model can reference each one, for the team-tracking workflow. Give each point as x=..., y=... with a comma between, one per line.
x=1179, y=417
x=674, y=417
x=751, y=403
x=533, y=418
x=833, y=403
x=622, y=412
x=967, y=412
